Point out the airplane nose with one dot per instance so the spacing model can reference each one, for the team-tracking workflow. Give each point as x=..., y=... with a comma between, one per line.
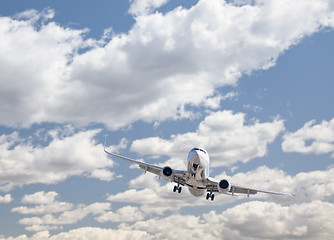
x=198, y=163
x=196, y=158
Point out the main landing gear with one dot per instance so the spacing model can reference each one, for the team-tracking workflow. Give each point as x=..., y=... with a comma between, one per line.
x=177, y=188
x=211, y=196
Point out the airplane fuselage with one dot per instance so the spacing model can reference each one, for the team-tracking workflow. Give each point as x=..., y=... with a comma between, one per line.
x=198, y=170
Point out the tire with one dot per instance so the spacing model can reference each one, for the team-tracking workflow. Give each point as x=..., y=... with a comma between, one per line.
x=180, y=189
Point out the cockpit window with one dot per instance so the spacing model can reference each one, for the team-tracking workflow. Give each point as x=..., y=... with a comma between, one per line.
x=200, y=149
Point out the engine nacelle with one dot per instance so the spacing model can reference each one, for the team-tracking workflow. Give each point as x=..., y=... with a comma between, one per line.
x=224, y=186
x=167, y=173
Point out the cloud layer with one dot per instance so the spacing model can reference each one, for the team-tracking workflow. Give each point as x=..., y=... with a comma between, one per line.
x=67, y=154
x=226, y=135
x=291, y=217
x=311, y=139
x=245, y=221
x=163, y=64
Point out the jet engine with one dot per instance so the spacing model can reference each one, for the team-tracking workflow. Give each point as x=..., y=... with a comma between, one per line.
x=224, y=186
x=167, y=173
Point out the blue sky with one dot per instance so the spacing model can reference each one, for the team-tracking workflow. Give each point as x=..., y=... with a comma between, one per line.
x=250, y=81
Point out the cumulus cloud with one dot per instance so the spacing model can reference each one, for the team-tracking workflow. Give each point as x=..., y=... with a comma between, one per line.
x=6, y=199
x=87, y=233
x=142, y=7
x=53, y=215
x=312, y=138
x=245, y=221
x=50, y=221
x=250, y=220
x=124, y=214
x=45, y=202
x=157, y=200
x=103, y=174
x=291, y=217
x=33, y=59
x=39, y=198
x=151, y=73
x=307, y=186
x=226, y=135
x=54, y=207
x=67, y=154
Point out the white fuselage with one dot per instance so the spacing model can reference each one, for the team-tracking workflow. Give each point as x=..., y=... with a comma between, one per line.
x=198, y=171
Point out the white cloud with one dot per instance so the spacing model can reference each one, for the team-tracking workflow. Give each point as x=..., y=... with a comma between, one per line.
x=124, y=214
x=290, y=217
x=6, y=199
x=142, y=7
x=266, y=179
x=311, y=139
x=224, y=134
x=89, y=233
x=33, y=60
x=45, y=202
x=315, y=185
x=245, y=221
x=250, y=220
x=307, y=186
x=39, y=198
x=144, y=181
x=55, y=214
x=54, y=207
x=50, y=221
x=34, y=16
x=103, y=175
x=164, y=63
x=67, y=154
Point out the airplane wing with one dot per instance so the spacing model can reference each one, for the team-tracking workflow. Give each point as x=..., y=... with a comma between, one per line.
x=212, y=186
x=177, y=176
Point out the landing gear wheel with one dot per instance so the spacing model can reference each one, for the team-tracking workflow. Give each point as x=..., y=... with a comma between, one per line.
x=180, y=189
x=177, y=188
x=210, y=196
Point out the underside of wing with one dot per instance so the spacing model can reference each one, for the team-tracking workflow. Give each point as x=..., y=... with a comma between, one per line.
x=166, y=172
x=146, y=167
x=223, y=186
x=252, y=191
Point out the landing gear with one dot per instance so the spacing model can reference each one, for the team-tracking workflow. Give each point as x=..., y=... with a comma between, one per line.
x=177, y=188
x=210, y=196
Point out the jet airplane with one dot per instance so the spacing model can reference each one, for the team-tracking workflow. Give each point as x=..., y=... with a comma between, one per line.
x=196, y=178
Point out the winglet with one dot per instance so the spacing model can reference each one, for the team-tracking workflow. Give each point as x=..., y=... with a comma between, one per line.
x=105, y=142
